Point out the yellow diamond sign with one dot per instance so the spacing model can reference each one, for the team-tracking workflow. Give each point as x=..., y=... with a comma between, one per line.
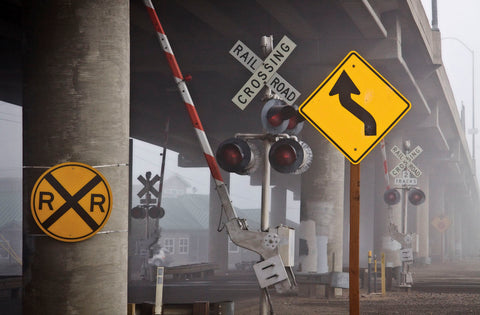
x=354, y=107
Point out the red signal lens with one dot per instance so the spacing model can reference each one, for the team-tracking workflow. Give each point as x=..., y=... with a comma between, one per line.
x=284, y=155
x=138, y=212
x=416, y=196
x=391, y=197
x=156, y=212
x=237, y=155
x=231, y=155
x=275, y=120
x=292, y=122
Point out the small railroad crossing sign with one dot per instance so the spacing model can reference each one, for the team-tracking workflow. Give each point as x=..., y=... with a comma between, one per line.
x=264, y=73
x=354, y=107
x=406, y=162
x=71, y=202
x=148, y=188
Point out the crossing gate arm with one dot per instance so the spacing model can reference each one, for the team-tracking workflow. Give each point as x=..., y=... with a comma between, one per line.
x=237, y=228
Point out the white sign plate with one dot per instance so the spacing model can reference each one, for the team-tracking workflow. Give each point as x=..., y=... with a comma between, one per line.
x=277, y=83
x=406, y=254
x=406, y=181
x=264, y=72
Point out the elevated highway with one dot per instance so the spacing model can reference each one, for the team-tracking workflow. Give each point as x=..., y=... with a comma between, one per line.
x=91, y=75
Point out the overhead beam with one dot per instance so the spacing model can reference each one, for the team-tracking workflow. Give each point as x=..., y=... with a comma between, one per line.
x=215, y=18
x=365, y=18
x=290, y=18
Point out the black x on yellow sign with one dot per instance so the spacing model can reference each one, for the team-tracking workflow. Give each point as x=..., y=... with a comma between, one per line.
x=71, y=202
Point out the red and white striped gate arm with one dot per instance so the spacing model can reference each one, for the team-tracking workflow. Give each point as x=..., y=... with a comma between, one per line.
x=192, y=112
x=385, y=168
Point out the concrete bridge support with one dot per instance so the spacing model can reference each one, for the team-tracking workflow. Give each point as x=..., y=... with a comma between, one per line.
x=421, y=212
x=437, y=208
x=450, y=211
x=323, y=203
x=218, y=241
x=76, y=109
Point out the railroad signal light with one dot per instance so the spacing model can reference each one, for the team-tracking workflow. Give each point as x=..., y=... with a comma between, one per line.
x=138, y=212
x=155, y=212
x=238, y=156
x=289, y=156
x=416, y=196
x=391, y=197
x=278, y=117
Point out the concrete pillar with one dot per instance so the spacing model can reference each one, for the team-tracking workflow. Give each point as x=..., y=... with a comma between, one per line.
x=322, y=200
x=459, y=227
x=278, y=214
x=218, y=241
x=423, y=221
x=76, y=109
x=437, y=207
x=450, y=233
x=388, y=217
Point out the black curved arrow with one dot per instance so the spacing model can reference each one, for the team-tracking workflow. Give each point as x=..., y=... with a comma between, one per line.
x=344, y=87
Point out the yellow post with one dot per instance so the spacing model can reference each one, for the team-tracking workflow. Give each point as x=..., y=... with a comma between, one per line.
x=159, y=291
x=131, y=309
x=384, y=287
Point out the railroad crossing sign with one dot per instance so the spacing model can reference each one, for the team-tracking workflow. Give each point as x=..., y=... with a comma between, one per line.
x=263, y=73
x=148, y=188
x=441, y=223
x=277, y=83
x=71, y=202
x=406, y=161
x=354, y=107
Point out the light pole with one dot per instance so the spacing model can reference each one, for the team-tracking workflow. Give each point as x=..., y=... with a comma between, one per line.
x=473, y=130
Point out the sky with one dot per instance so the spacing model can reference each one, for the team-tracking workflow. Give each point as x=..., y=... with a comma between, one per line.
x=10, y=140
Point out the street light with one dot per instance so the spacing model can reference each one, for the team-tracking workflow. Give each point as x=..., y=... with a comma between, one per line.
x=474, y=131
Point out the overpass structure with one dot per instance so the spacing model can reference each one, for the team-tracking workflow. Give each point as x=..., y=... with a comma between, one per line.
x=91, y=74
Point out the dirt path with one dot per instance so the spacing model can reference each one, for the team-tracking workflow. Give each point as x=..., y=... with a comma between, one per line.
x=451, y=288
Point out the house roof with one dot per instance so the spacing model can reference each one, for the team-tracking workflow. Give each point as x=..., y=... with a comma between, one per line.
x=191, y=212
x=185, y=212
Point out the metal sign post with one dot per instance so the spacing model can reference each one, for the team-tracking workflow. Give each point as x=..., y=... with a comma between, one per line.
x=365, y=120
x=354, y=282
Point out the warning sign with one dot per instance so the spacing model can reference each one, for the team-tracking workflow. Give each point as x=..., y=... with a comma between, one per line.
x=354, y=107
x=441, y=223
x=71, y=202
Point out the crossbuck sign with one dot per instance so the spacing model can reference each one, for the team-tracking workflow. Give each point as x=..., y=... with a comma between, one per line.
x=264, y=72
x=406, y=165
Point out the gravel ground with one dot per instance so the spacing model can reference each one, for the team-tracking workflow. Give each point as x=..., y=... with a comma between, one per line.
x=451, y=288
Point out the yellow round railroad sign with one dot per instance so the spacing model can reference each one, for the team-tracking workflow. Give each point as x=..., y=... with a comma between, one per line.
x=71, y=202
